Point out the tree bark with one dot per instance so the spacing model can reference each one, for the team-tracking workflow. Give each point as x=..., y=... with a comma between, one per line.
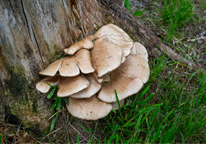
x=34, y=34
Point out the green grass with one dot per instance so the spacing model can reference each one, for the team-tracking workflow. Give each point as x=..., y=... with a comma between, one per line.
x=171, y=107
x=175, y=113
x=176, y=13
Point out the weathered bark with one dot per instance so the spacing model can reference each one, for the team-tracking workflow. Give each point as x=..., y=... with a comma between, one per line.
x=34, y=33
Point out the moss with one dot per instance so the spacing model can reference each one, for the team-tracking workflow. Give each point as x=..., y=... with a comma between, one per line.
x=34, y=106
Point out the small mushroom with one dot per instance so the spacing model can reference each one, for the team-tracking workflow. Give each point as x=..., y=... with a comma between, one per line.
x=52, y=68
x=43, y=87
x=88, y=109
x=69, y=66
x=106, y=56
x=118, y=36
x=85, y=43
x=71, y=85
x=93, y=88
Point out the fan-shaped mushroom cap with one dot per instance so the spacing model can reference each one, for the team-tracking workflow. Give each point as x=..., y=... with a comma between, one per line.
x=84, y=61
x=115, y=105
x=106, y=56
x=85, y=43
x=71, y=85
x=125, y=87
x=128, y=79
x=93, y=88
x=88, y=109
x=140, y=51
x=43, y=87
x=52, y=68
x=69, y=66
x=118, y=36
x=136, y=67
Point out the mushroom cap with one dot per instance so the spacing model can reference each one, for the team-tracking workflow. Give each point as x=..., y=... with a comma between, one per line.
x=115, y=105
x=125, y=87
x=83, y=59
x=71, y=85
x=106, y=56
x=93, y=88
x=43, y=87
x=136, y=67
x=140, y=51
x=69, y=66
x=128, y=79
x=85, y=43
x=52, y=68
x=116, y=35
x=88, y=109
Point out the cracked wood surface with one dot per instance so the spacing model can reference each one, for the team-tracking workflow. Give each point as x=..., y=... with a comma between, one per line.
x=33, y=33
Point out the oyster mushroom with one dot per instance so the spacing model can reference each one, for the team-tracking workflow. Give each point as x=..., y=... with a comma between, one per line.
x=106, y=56
x=69, y=66
x=85, y=43
x=88, y=109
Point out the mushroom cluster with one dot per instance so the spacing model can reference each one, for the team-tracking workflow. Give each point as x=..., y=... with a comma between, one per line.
x=94, y=68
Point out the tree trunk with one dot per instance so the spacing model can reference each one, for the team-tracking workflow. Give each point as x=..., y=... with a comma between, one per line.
x=34, y=34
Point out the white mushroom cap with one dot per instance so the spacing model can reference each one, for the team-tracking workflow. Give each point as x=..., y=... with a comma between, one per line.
x=52, y=68
x=88, y=109
x=43, y=87
x=106, y=56
x=128, y=79
x=140, y=51
x=118, y=36
x=85, y=43
x=115, y=105
x=93, y=88
x=71, y=85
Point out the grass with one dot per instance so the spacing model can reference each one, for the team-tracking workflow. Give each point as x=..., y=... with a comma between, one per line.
x=176, y=13
x=171, y=107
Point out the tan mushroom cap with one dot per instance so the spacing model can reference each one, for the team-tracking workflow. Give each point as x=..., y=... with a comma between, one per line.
x=88, y=109
x=43, y=87
x=85, y=43
x=71, y=85
x=83, y=59
x=52, y=68
x=69, y=66
x=140, y=51
x=106, y=56
x=128, y=79
x=93, y=88
x=118, y=36
x=136, y=67
x=115, y=105
x=125, y=87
